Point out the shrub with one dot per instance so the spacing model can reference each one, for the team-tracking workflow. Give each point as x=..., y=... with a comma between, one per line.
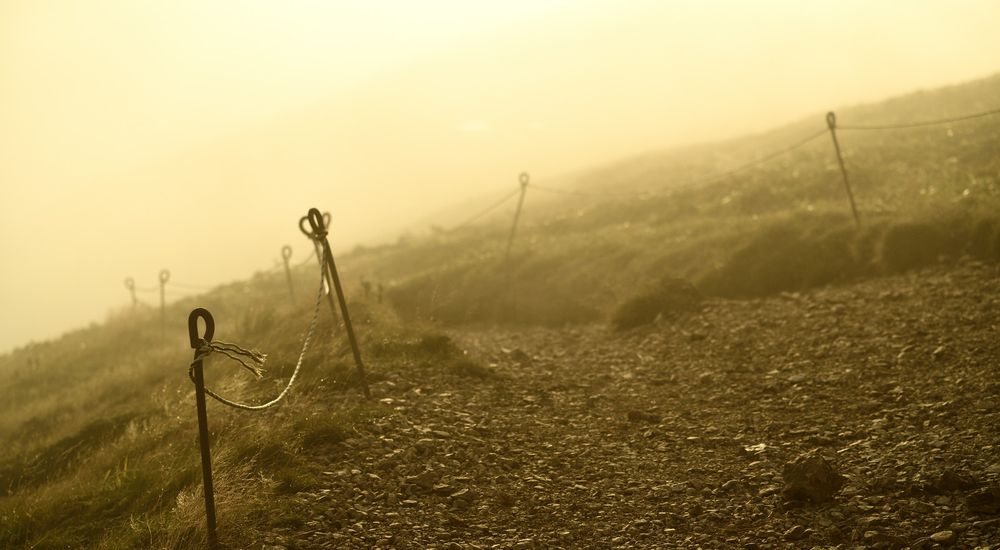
x=797, y=253
x=913, y=244
x=667, y=298
x=984, y=238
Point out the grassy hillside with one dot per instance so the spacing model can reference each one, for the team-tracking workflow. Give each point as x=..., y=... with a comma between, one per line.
x=100, y=432
x=783, y=225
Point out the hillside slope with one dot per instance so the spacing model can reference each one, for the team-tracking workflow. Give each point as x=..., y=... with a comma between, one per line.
x=99, y=430
x=781, y=225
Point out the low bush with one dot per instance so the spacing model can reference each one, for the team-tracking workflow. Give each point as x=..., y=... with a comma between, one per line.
x=911, y=244
x=668, y=298
x=794, y=253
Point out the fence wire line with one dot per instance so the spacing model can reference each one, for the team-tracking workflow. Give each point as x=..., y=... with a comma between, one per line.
x=254, y=361
x=935, y=122
x=491, y=208
x=690, y=183
x=801, y=143
x=187, y=286
x=778, y=153
x=579, y=193
x=312, y=253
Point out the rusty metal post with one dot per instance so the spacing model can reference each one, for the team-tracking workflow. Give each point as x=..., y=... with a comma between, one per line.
x=286, y=254
x=328, y=284
x=319, y=232
x=199, y=395
x=831, y=122
x=524, y=178
x=164, y=277
x=130, y=285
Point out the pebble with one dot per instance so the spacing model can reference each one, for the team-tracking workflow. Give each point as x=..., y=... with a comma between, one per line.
x=795, y=533
x=944, y=537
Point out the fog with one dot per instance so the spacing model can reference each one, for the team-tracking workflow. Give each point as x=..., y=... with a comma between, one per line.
x=192, y=135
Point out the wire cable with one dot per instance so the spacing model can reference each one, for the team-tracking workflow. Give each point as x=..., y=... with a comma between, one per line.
x=491, y=208
x=581, y=193
x=934, y=122
x=771, y=156
x=186, y=286
x=312, y=254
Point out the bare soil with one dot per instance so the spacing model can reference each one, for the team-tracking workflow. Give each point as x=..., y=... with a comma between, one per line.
x=676, y=435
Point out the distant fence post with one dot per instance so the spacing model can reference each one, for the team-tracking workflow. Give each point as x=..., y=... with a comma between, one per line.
x=199, y=395
x=524, y=178
x=318, y=234
x=164, y=277
x=286, y=254
x=130, y=285
x=831, y=122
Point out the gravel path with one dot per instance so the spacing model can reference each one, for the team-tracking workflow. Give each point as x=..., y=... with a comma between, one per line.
x=676, y=436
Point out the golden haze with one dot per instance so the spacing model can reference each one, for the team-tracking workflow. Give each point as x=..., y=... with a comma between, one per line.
x=192, y=135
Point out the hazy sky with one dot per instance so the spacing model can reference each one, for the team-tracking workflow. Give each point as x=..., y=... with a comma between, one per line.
x=192, y=134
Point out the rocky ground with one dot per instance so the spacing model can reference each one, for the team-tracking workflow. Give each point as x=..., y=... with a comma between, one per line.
x=688, y=434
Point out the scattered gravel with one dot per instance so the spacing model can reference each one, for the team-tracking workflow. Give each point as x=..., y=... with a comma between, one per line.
x=683, y=435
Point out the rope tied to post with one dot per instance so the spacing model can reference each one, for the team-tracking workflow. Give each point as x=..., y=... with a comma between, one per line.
x=253, y=360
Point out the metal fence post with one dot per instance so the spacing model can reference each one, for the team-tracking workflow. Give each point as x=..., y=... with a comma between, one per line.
x=199, y=394
x=325, y=218
x=164, y=277
x=831, y=123
x=286, y=254
x=524, y=178
x=319, y=232
x=130, y=285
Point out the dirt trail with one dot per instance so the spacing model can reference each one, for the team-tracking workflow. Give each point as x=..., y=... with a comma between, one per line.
x=675, y=436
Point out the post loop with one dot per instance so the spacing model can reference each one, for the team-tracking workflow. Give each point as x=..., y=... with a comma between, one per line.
x=831, y=120
x=164, y=276
x=203, y=314
x=286, y=252
x=303, y=228
x=317, y=222
x=524, y=178
x=130, y=283
x=323, y=219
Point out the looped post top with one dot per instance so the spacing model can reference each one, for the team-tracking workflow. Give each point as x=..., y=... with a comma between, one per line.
x=831, y=120
x=164, y=276
x=310, y=231
x=317, y=222
x=524, y=178
x=286, y=252
x=196, y=340
x=130, y=283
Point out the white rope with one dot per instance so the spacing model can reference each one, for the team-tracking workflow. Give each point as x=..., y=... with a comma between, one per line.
x=254, y=361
